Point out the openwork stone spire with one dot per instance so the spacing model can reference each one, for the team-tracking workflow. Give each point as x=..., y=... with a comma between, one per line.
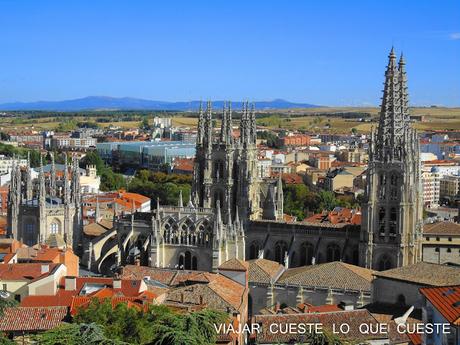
x=394, y=119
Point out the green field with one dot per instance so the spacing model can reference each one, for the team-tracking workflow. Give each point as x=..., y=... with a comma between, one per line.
x=324, y=119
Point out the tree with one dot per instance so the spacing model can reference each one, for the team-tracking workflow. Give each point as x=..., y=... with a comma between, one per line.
x=76, y=334
x=158, y=325
x=166, y=187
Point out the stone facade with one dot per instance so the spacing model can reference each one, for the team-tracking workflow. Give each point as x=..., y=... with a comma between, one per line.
x=40, y=213
x=393, y=199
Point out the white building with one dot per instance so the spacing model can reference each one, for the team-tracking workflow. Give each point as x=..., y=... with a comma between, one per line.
x=6, y=163
x=430, y=182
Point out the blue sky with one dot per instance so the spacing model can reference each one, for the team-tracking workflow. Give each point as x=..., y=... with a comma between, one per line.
x=321, y=52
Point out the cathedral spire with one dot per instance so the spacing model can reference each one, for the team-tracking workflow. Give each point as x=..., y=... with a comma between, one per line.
x=253, y=129
x=223, y=125
x=201, y=125
x=29, y=187
x=279, y=199
x=181, y=202
x=404, y=98
x=393, y=117
x=41, y=178
x=158, y=209
x=208, y=126
x=66, y=181
x=229, y=134
x=52, y=176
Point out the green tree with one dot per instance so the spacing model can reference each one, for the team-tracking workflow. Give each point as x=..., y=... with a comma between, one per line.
x=76, y=334
x=159, y=325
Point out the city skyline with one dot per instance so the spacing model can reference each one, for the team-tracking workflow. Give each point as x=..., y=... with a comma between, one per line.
x=302, y=51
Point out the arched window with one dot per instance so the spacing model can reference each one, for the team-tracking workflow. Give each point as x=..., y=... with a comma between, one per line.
x=254, y=250
x=306, y=254
x=385, y=263
x=187, y=261
x=333, y=252
x=54, y=228
x=280, y=251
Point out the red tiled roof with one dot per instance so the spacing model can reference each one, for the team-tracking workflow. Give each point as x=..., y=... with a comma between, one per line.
x=32, y=318
x=27, y=271
x=446, y=300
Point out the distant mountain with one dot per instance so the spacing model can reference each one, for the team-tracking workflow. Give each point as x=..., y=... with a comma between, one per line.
x=128, y=103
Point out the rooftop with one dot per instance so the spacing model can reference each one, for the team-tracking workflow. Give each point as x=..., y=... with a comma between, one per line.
x=32, y=318
x=334, y=275
x=424, y=273
x=446, y=300
x=442, y=228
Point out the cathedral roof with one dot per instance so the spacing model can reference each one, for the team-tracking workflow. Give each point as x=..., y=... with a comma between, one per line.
x=264, y=271
x=234, y=265
x=424, y=273
x=335, y=275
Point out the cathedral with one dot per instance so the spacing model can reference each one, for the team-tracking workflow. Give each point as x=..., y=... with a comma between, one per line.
x=392, y=208
x=210, y=228
x=233, y=213
x=45, y=210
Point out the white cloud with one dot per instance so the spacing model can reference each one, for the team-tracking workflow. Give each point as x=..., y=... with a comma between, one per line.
x=455, y=36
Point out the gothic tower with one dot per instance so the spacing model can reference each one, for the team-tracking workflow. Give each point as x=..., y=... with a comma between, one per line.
x=392, y=206
x=225, y=169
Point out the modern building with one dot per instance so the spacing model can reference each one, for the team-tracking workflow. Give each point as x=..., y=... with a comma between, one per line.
x=150, y=155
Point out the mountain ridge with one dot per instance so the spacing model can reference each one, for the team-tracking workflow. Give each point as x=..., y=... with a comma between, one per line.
x=94, y=103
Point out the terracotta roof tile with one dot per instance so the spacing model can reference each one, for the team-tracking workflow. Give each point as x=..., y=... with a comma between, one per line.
x=32, y=318
x=27, y=271
x=234, y=265
x=446, y=300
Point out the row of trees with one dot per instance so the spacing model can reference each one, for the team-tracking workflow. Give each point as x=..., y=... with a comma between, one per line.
x=299, y=201
x=166, y=187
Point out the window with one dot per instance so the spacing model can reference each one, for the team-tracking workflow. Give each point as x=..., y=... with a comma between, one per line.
x=384, y=263
x=427, y=238
x=437, y=238
x=436, y=250
x=5, y=287
x=280, y=251
x=450, y=239
x=306, y=254
x=449, y=250
x=54, y=228
x=333, y=253
x=30, y=228
x=254, y=251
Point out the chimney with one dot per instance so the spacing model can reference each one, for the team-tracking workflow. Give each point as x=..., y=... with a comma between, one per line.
x=137, y=262
x=117, y=283
x=70, y=283
x=45, y=268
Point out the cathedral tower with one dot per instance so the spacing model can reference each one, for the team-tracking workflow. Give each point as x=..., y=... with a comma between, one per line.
x=392, y=207
x=226, y=169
